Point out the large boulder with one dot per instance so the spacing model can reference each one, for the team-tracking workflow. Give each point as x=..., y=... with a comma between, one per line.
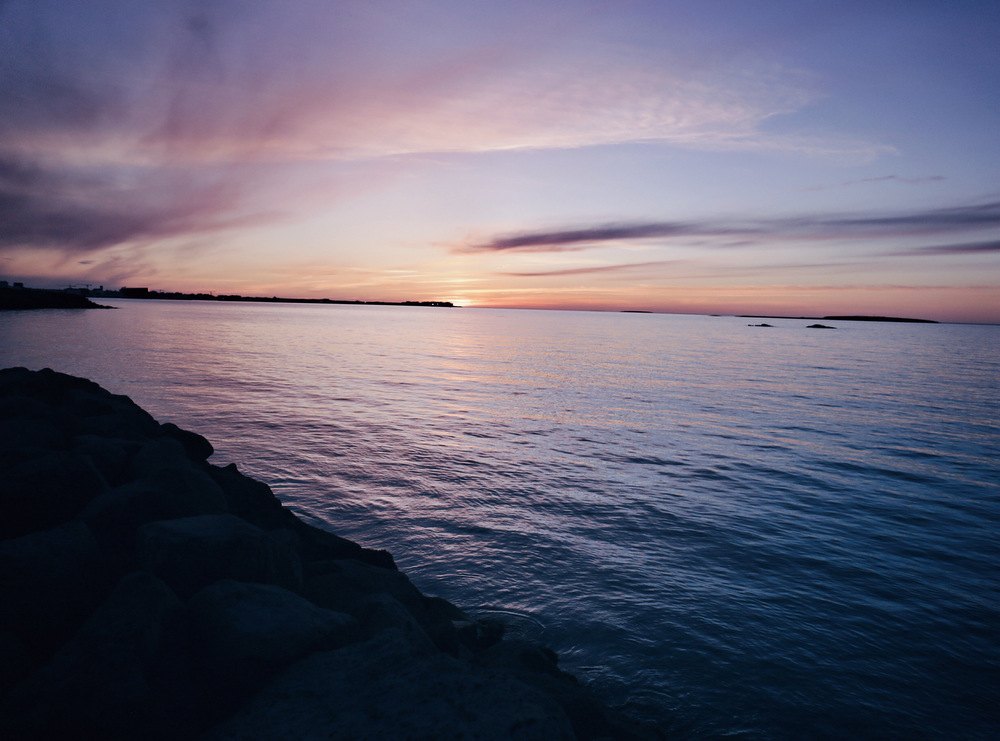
x=196, y=447
x=15, y=661
x=46, y=491
x=109, y=455
x=91, y=408
x=381, y=612
x=50, y=582
x=100, y=684
x=537, y=666
x=339, y=584
x=387, y=689
x=251, y=499
x=242, y=633
x=190, y=553
x=116, y=515
x=320, y=545
x=27, y=423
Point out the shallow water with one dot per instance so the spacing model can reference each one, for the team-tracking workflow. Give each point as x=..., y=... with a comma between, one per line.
x=755, y=533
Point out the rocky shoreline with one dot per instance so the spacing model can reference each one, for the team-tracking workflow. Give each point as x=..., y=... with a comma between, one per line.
x=147, y=593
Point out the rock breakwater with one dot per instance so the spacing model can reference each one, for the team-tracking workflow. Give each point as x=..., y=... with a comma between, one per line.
x=147, y=593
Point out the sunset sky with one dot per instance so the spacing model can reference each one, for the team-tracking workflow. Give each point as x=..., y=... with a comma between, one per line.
x=709, y=157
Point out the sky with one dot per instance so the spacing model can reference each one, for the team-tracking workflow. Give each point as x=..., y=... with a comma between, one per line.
x=758, y=157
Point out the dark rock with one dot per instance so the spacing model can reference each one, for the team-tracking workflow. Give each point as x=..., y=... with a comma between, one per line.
x=252, y=500
x=46, y=491
x=89, y=408
x=537, y=666
x=251, y=624
x=356, y=579
x=15, y=661
x=242, y=633
x=89, y=402
x=127, y=421
x=381, y=612
x=50, y=582
x=338, y=584
x=522, y=657
x=385, y=690
x=321, y=545
x=19, y=432
x=158, y=454
x=326, y=585
x=22, y=407
x=98, y=685
x=116, y=416
x=13, y=456
x=116, y=515
x=45, y=385
x=477, y=635
x=192, y=552
x=820, y=326
x=164, y=462
x=110, y=456
x=197, y=447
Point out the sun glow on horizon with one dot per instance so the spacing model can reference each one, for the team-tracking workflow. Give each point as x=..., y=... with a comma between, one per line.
x=589, y=156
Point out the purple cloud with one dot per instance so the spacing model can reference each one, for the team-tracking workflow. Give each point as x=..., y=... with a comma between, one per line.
x=582, y=238
x=61, y=208
x=953, y=220
x=597, y=269
x=967, y=248
x=883, y=179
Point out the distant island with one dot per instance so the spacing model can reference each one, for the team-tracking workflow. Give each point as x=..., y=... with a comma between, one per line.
x=19, y=297
x=853, y=318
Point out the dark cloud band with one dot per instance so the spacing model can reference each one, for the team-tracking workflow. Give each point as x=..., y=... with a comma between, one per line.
x=955, y=220
x=966, y=248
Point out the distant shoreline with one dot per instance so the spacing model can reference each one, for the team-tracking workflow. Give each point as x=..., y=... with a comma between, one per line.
x=280, y=300
x=19, y=298
x=842, y=318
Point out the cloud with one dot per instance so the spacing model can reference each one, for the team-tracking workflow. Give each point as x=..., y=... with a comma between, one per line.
x=957, y=220
x=579, y=239
x=81, y=211
x=88, y=136
x=930, y=221
x=883, y=179
x=964, y=248
x=315, y=80
x=596, y=269
x=163, y=121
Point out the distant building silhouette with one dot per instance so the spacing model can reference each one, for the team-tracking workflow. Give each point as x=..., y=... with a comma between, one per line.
x=135, y=292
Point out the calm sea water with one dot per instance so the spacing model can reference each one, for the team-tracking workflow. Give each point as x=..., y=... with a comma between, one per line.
x=745, y=532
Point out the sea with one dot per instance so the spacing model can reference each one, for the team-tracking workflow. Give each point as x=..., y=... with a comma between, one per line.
x=741, y=532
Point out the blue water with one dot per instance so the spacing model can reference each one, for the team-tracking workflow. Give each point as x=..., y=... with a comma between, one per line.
x=752, y=533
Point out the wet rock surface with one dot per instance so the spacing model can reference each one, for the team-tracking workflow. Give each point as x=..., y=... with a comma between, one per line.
x=147, y=593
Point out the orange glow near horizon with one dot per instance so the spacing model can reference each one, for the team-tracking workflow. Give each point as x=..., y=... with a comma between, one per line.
x=531, y=155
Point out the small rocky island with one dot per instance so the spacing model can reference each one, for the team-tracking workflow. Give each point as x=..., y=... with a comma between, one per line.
x=146, y=593
x=21, y=299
